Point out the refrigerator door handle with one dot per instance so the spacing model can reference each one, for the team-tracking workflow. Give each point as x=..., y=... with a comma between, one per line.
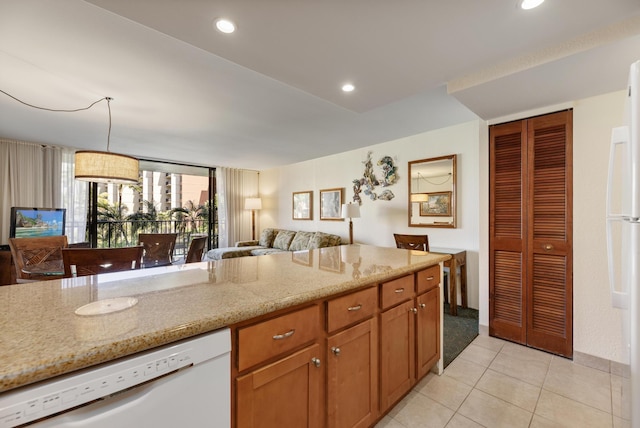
x=619, y=299
x=619, y=139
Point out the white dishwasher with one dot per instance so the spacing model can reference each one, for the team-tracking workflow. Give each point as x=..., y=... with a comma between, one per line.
x=183, y=384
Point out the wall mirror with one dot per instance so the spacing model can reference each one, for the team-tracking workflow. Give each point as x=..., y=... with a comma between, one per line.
x=432, y=192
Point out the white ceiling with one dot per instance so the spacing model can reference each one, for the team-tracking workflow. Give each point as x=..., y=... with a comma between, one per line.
x=269, y=94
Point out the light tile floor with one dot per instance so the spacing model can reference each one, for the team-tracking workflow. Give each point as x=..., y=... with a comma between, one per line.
x=494, y=383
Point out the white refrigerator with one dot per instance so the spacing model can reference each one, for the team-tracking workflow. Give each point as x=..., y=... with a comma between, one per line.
x=623, y=236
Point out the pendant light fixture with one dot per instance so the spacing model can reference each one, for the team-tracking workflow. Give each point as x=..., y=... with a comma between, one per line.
x=106, y=167
x=95, y=166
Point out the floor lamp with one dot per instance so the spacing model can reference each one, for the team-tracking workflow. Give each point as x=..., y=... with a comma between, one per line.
x=253, y=204
x=350, y=211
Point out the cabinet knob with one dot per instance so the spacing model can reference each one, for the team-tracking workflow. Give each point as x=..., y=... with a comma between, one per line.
x=315, y=361
x=547, y=247
x=423, y=305
x=336, y=351
x=414, y=310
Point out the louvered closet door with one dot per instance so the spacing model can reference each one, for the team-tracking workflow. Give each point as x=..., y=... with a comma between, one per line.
x=550, y=290
x=530, y=262
x=507, y=246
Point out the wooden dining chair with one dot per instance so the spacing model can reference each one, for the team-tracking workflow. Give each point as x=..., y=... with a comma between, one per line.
x=412, y=242
x=37, y=259
x=158, y=248
x=196, y=248
x=93, y=261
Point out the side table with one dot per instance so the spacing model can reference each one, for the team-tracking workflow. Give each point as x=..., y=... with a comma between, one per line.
x=458, y=260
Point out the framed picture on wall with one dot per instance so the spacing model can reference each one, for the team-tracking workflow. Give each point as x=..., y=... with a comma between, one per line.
x=330, y=204
x=437, y=204
x=303, y=205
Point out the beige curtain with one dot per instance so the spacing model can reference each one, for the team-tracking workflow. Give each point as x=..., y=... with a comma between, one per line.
x=32, y=176
x=233, y=187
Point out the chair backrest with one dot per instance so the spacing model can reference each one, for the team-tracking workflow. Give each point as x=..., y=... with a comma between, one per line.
x=158, y=248
x=196, y=248
x=412, y=242
x=43, y=254
x=93, y=261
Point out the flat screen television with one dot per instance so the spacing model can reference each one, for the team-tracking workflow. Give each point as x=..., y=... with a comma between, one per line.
x=37, y=222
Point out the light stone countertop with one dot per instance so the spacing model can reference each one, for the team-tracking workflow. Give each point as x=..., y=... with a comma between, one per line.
x=41, y=336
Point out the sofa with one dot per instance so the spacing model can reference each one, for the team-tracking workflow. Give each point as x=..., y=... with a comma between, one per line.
x=275, y=241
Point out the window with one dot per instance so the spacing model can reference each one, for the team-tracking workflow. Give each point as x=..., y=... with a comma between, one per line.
x=169, y=198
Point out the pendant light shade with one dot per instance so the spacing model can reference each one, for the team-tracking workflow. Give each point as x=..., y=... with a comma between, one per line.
x=106, y=167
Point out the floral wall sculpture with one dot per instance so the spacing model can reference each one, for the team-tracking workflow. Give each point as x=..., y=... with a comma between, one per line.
x=368, y=183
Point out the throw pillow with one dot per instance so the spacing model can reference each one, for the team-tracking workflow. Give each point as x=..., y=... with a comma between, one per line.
x=321, y=240
x=283, y=239
x=301, y=241
x=267, y=236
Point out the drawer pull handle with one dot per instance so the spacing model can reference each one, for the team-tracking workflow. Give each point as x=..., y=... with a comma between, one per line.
x=354, y=308
x=284, y=335
x=315, y=361
x=430, y=278
x=399, y=290
x=336, y=351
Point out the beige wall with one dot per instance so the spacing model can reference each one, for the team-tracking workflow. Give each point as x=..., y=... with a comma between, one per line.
x=597, y=326
x=381, y=219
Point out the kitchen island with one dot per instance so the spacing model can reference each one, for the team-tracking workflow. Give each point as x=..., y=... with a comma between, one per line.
x=41, y=335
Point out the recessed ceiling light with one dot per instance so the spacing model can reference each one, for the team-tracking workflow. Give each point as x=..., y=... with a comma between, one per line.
x=529, y=4
x=225, y=26
x=348, y=87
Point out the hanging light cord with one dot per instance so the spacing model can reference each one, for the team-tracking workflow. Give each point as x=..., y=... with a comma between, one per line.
x=448, y=177
x=108, y=99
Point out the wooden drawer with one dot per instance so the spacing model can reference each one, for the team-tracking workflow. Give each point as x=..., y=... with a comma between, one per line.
x=349, y=309
x=276, y=336
x=427, y=279
x=396, y=291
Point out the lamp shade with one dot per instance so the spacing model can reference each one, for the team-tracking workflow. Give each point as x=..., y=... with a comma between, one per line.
x=106, y=167
x=419, y=197
x=253, y=204
x=350, y=210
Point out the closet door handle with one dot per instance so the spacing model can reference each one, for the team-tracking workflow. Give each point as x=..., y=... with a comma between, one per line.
x=547, y=247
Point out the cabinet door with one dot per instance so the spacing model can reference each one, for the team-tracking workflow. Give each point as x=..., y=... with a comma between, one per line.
x=352, y=374
x=427, y=331
x=397, y=353
x=287, y=393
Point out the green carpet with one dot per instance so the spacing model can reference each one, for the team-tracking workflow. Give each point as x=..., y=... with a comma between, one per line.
x=459, y=331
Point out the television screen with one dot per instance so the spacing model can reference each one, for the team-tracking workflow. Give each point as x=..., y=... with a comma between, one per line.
x=37, y=222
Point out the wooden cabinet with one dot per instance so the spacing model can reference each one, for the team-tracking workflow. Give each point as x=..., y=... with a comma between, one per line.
x=397, y=353
x=376, y=343
x=352, y=376
x=287, y=393
x=352, y=360
x=427, y=331
x=409, y=333
x=290, y=390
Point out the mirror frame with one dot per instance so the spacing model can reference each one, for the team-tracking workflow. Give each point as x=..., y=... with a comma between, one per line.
x=454, y=211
